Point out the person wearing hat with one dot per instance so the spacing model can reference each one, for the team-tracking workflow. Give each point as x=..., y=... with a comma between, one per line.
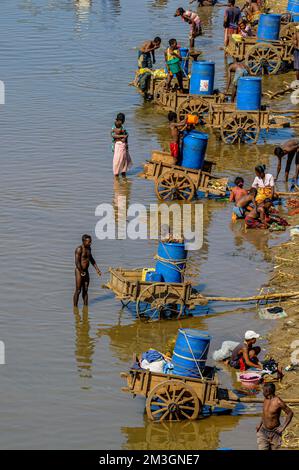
x=245, y=355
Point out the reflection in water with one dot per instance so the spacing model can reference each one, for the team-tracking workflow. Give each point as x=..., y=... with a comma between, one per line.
x=203, y=434
x=122, y=188
x=85, y=344
x=82, y=8
x=158, y=4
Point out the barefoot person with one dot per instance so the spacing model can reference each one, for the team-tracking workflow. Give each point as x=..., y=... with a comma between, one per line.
x=195, y=23
x=232, y=17
x=237, y=70
x=173, y=63
x=245, y=355
x=146, y=53
x=176, y=129
x=290, y=148
x=269, y=431
x=121, y=156
x=83, y=257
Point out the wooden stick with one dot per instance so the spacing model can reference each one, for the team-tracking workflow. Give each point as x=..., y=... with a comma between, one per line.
x=254, y=297
x=290, y=401
x=287, y=193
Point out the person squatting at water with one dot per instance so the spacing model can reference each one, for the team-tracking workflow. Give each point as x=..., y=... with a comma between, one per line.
x=269, y=431
x=245, y=355
x=146, y=53
x=173, y=63
x=244, y=205
x=195, y=23
x=238, y=190
x=291, y=149
x=264, y=183
x=121, y=156
x=237, y=69
x=83, y=257
x=176, y=129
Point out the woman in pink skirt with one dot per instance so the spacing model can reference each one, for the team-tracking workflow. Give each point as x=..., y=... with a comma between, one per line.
x=121, y=157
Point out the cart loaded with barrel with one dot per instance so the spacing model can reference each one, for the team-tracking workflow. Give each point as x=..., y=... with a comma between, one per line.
x=270, y=52
x=188, y=388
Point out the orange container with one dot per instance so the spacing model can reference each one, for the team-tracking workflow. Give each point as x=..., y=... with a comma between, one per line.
x=192, y=119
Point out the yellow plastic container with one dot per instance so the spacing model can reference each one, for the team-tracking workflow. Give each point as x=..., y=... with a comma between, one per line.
x=145, y=271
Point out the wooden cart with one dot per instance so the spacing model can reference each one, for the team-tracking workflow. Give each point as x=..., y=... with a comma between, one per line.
x=263, y=57
x=174, y=397
x=154, y=300
x=174, y=182
x=184, y=103
x=244, y=126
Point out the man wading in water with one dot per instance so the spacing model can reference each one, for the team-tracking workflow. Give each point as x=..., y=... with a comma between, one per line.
x=269, y=431
x=83, y=257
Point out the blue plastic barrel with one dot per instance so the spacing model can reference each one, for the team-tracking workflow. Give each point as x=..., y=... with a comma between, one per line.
x=168, y=264
x=202, y=78
x=152, y=276
x=185, y=60
x=194, y=149
x=293, y=7
x=190, y=352
x=268, y=27
x=249, y=93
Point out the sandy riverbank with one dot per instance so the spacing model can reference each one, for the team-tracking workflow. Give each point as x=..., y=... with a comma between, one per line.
x=286, y=277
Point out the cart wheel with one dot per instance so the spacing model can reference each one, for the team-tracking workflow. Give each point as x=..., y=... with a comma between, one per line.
x=263, y=59
x=159, y=300
x=240, y=129
x=198, y=106
x=173, y=400
x=287, y=31
x=172, y=185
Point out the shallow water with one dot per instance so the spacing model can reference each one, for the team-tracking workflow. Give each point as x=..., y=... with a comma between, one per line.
x=66, y=66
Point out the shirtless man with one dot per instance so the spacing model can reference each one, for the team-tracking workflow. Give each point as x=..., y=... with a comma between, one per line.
x=237, y=69
x=269, y=431
x=83, y=257
x=242, y=203
x=291, y=149
x=146, y=53
x=176, y=128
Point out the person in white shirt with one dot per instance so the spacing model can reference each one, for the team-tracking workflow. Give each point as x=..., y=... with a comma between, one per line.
x=264, y=184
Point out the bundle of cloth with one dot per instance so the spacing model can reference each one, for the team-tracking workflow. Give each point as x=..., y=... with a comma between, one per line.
x=154, y=361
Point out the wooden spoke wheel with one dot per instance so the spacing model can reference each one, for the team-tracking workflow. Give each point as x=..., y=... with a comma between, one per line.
x=157, y=301
x=263, y=59
x=240, y=129
x=175, y=186
x=173, y=400
x=287, y=31
x=195, y=106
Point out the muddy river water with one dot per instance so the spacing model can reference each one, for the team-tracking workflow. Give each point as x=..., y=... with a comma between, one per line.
x=66, y=66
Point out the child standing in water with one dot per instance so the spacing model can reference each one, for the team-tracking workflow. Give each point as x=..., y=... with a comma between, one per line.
x=121, y=157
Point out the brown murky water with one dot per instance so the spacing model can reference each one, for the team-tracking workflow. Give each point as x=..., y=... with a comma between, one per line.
x=66, y=66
